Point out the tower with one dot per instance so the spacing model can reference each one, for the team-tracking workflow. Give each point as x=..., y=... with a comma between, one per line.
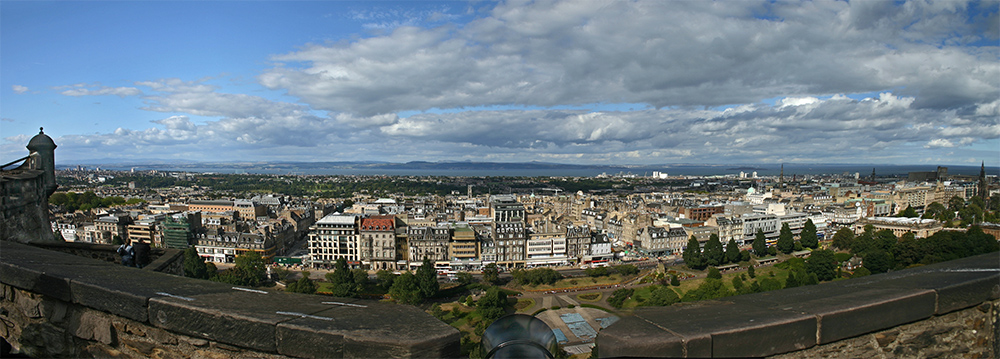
x=44, y=148
x=983, y=188
x=781, y=177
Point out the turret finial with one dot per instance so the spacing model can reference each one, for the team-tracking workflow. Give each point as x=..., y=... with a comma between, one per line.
x=41, y=130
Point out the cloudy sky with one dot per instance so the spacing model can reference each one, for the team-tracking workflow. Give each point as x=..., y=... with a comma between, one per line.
x=595, y=82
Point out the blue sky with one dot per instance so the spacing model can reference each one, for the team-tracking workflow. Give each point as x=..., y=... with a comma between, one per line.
x=637, y=82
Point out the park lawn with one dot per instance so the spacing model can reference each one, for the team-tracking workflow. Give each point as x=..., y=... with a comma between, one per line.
x=590, y=297
x=464, y=324
x=524, y=305
x=323, y=287
x=642, y=293
x=578, y=282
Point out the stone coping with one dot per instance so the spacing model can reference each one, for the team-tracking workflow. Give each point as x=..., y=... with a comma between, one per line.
x=296, y=325
x=782, y=321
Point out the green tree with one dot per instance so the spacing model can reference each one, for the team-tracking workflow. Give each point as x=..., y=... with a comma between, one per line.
x=714, y=273
x=491, y=274
x=792, y=281
x=341, y=273
x=194, y=265
x=597, y=272
x=733, y=252
x=674, y=281
x=303, y=285
x=744, y=255
x=956, y=203
x=909, y=212
x=860, y=272
x=737, y=283
x=692, y=254
x=360, y=279
x=249, y=270
x=971, y=214
x=878, y=261
x=627, y=269
x=714, y=253
x=751, y=271
x=250, y=267
x=427, y=279
x=465, y=278
x=786, y=240
x=619, y=296
x=938, y=212
x=492, y=305
x=808, y=237
x=769, y=284
x=823, y=264
x=385, y=278
x=662, y=296
x=406, y=290
x=760, y=243
x=58, y=198
x=708, y=289
x=342, y=280
x=844, y=238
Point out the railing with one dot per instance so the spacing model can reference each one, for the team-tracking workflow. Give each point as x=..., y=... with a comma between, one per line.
x=13, y=162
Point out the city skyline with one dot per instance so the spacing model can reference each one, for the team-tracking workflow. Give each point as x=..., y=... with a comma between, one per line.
x=563, y=82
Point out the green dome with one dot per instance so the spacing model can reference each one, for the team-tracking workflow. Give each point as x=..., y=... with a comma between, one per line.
x=41, y=141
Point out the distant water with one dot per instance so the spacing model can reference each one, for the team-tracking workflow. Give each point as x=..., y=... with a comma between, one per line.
x=762, y=170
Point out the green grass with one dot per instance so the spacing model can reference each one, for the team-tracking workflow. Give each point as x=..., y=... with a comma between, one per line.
x=588, y=305
x=524, y=304
x=589, y=297
x=580, y=282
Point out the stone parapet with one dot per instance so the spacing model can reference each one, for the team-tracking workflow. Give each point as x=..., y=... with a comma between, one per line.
x=60, y=305
x=791, y=320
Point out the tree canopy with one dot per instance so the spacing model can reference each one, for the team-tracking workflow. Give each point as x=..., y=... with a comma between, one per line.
x=692, y=254
x=733, y=254
x=844, y=238
x=406, y=290
x=714, y=253
x=250, y=270
x=786, y=240
x=823, y=264
x=427, y=279
x=760, y=243
x=808, y=237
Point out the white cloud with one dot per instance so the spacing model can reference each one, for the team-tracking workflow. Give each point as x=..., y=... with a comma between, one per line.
x=664, y=53
x=98, y=90
x=18, y=89
x=678, y=61
x=939, y=143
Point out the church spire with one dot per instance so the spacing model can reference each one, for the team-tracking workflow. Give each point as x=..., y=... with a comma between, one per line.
x=983, y=188
x=781, y=177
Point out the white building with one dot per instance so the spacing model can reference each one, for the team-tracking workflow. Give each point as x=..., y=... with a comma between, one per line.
x=333, y=237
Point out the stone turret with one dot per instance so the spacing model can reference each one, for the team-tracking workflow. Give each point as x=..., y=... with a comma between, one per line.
x=25, y=191
x=43, y=157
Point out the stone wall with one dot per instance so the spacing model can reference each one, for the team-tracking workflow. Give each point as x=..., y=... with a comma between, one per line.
x=968, y=333
x=24, y=211
x=163, y=260
x=945, y=308
x=59, y=305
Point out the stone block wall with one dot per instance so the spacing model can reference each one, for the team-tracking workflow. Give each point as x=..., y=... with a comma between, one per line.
x=969, y=333
x=55, y=304
x=917, y=312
